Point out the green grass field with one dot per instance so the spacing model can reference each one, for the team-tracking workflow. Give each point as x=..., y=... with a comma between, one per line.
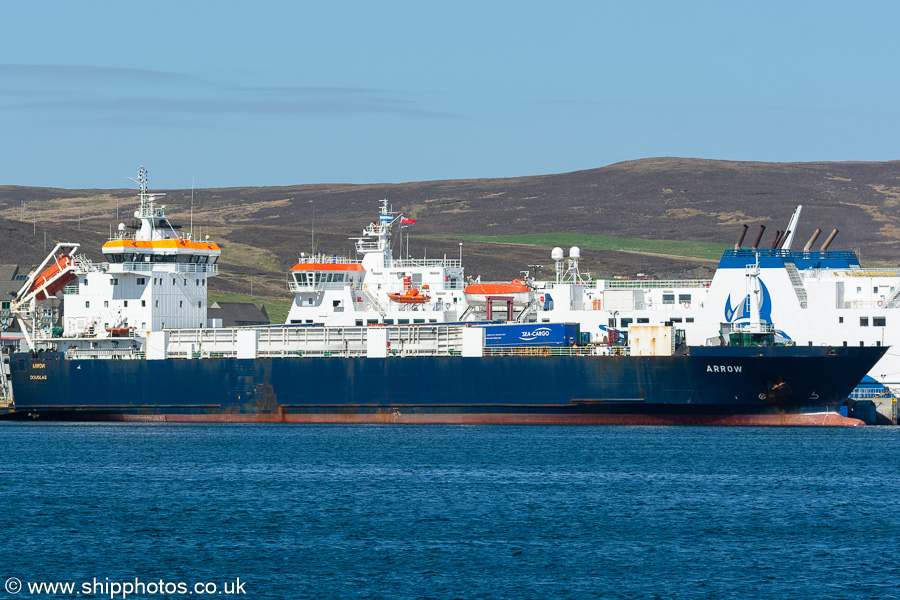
x=705, y=250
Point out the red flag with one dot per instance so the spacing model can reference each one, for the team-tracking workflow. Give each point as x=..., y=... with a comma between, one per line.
x=406, y=221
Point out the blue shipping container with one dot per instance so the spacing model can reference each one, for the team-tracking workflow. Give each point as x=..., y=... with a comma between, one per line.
x=531, y=334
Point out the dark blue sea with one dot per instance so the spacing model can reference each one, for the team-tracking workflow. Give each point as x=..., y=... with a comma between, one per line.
x=262, y=511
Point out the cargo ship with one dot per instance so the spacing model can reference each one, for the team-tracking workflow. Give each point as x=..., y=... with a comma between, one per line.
x=137, y=346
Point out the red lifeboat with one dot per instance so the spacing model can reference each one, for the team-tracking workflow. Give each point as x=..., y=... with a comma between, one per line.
x=54, y=278
x=410, y=297
x=518, y=290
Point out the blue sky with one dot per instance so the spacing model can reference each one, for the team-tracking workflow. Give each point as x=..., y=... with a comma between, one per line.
x=283, y=93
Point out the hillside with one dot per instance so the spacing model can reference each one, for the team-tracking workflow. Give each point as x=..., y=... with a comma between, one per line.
x=263, y=230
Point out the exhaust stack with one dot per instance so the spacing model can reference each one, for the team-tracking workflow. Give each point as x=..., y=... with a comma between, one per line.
x=828, y=241
x=762, y=230
x=778, y=235
x=741, y=238
x=812, y=240
x=788, y=235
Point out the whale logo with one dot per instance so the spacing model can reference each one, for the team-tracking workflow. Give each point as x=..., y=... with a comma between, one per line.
x=741, y=311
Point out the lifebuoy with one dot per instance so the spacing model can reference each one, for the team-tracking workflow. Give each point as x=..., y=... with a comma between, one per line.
x=368, y=307
x=687, y=304
x=880, y=303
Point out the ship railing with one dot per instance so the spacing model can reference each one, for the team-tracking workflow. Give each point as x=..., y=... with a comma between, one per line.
x=295, y=287
x=865, y=304
x=179, y=267
x=868, y=272
x=428, y=262
x=103, y=354
x=426, y=339
x=558, y=351
x=622, y=284
x=330, y=259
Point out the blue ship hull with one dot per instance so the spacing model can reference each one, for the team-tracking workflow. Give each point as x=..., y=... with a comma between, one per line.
x=709, y=385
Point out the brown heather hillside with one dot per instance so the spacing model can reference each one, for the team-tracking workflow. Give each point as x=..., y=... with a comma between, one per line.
x=263, y=229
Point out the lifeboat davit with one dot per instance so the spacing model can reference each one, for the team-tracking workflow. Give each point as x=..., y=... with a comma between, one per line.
x=518, y=290
x=410, y=297
x=49, y=282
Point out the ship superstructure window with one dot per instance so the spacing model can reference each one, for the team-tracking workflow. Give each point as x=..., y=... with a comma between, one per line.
x=879, y=321
x=4, y=305
x=875, y=290
x=114, y=281
x=143, y=303
x=142, y=281
x=840, y=319
x=864, y=321
x=668, y=298
x=684, y=298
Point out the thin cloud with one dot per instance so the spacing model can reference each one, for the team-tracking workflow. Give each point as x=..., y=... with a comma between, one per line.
x=87, y=74
x=333, y=106
x=74, y=88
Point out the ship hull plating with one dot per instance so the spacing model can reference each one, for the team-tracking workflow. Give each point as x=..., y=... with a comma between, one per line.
x=714, y=386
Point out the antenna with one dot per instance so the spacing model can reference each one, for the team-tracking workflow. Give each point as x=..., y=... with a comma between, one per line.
x=312, y=233
x=192, y=208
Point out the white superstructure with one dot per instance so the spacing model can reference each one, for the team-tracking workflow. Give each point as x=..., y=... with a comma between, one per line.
x=153, y=279
x=374, y=287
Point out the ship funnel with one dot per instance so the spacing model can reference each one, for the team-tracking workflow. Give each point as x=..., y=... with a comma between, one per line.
x=787, y=236
x=829, y=240
x=741, y=238
x=762, y=230
x=777, y=239
x=812, y=240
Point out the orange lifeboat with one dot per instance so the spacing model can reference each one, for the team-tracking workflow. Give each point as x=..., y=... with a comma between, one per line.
x=410, y=297
x=120, y=331
x=45, y=283
x=517, y=289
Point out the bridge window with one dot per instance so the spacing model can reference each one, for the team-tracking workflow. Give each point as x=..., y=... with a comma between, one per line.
x=643, y=320
x=879, y=321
